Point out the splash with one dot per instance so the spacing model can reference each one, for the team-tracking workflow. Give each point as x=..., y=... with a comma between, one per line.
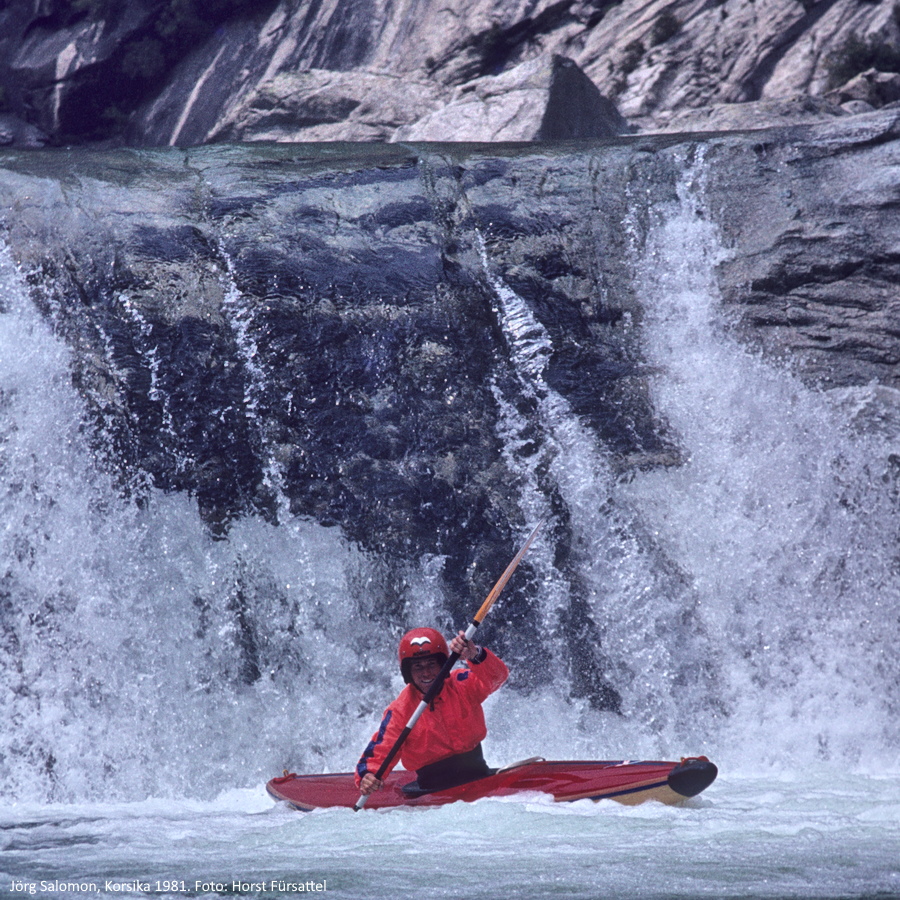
x=746, y=599
x=783, y=521
x=139, y=655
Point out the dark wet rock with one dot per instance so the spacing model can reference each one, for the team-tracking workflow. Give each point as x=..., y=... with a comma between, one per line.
x=314, y=330
x=818, y=248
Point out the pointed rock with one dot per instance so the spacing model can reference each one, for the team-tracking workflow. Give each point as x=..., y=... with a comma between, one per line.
x=548, y=98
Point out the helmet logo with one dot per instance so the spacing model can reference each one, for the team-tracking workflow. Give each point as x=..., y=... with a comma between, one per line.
x=420, y=640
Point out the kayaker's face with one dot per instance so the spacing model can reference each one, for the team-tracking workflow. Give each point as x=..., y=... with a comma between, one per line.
x=424, y=671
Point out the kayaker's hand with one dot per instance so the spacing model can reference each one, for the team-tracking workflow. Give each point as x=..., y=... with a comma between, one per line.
x=369, y=783
x=466, y=649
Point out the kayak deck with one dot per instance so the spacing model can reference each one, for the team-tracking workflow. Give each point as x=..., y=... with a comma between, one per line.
x=625, y=781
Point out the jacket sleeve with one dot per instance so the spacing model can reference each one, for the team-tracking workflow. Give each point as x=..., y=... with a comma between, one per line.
x=378, y=748
x=489, y=674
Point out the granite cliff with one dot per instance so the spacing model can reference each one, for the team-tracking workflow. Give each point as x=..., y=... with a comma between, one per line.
x=159, y=72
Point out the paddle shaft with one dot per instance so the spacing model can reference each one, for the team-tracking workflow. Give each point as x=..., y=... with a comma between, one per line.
x=438, y=682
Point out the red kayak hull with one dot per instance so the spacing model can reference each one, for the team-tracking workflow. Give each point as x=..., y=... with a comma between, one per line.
x=623, y=780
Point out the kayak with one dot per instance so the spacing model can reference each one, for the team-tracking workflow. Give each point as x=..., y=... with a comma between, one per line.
x=626, y=781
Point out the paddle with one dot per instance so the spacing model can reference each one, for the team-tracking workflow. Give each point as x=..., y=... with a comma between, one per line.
x=432, y=692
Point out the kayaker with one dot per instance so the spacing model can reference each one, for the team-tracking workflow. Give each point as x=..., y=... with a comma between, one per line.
x=444, y=747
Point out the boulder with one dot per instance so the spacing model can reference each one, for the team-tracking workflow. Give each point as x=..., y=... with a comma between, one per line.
x=547, y=98
x=322, y=105
x=16, y=132
x=874, y=88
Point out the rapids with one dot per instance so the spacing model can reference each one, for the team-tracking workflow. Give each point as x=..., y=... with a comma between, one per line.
x=153, y=676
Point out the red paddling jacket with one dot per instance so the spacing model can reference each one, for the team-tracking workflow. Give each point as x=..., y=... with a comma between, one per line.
x=452, y=724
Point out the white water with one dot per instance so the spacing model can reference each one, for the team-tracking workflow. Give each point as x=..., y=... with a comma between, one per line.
x=749, y=600
x=776, y=837
x=784, y=520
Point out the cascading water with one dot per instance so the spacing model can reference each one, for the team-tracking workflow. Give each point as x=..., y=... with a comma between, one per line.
x=549, y=450
x=139, y=654
x=746, y=600
x=783, y=519
x=746, y=597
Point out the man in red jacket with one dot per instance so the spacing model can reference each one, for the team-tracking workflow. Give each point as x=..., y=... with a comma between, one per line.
x=444, y=746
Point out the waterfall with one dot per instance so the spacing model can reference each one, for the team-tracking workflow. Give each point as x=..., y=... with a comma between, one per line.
x=746, y=598
x=741, y=603
x=783, y=518
x=139, y=655
x=241, y=321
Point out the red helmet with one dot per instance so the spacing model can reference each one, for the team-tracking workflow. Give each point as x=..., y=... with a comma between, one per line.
x=421, y=642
